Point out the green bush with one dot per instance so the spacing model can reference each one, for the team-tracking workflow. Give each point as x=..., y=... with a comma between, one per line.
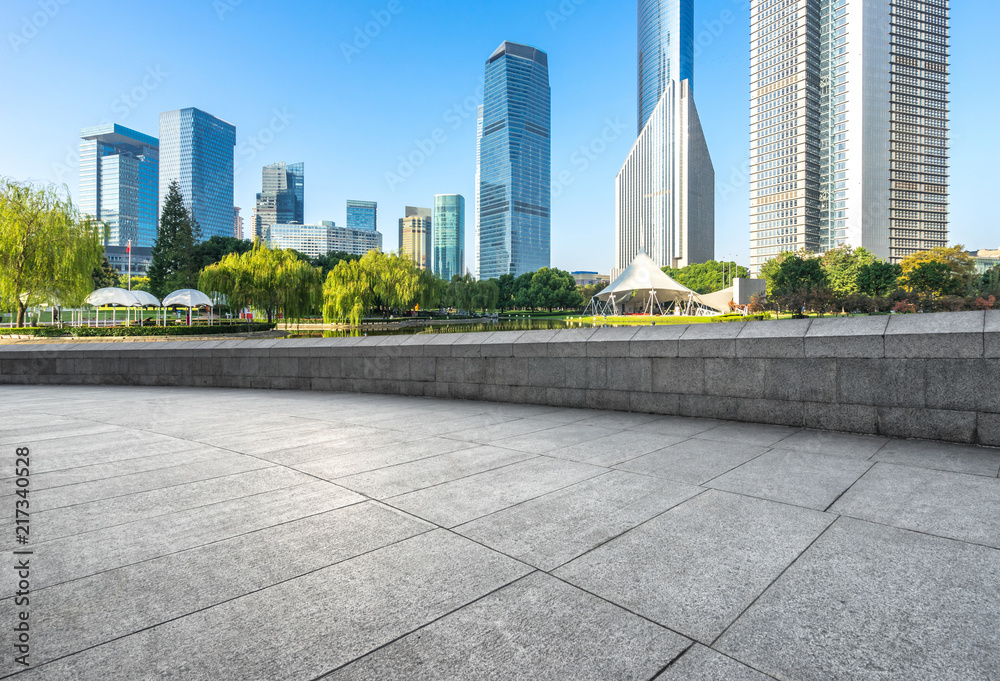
x=199, y=330
x=41, y=331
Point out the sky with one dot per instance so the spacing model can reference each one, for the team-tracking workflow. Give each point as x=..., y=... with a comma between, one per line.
x=378, y=99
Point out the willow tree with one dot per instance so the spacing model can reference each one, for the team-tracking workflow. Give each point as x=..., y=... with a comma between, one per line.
x=265, y=279
x=377, y=281
x=48, y=253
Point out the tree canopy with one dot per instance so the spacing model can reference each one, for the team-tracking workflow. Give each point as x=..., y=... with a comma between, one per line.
x=213, y=250
x=48, y=253
x=878, y=278
x=707, y=277
x=843, y=266
x=173, y=266
x=356, y=288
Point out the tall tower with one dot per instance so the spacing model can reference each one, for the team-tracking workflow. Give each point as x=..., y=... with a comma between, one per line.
x=479, y=173
x=849, y=126
x=119, y=183
x=515, y=186
x=282, y=199
x=449, y=235
x=362, y=215
x=196, y=149
x=665, y=191
x=415, y=236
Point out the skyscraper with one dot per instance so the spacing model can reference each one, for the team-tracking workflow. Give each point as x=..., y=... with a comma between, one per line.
x=515, y=189
x=479, y=146
x=362, y=215
x=282, y=200
x=849, y=126
x=665, y=191
x=237, y=223
x=119, y=183
x=196, y=149
x=449, y=235
x=415, y=236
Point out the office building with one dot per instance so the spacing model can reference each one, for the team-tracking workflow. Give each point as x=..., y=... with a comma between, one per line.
x=584, y=278
x=362, y=215
x=415, y=236
x=119, y=183
x=282, y=197
x=985, y=259
x=237, y=223
x=137, y=262
x=479, y=146
x=196, y=150
x=326, y=237
x=449, y=235
x=665, y=191
x=849, y=126
x=515, y=187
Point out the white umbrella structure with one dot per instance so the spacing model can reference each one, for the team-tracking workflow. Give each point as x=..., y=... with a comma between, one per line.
x=189, y=298
x=644, y=286
x=148, y=300
x=112, y=297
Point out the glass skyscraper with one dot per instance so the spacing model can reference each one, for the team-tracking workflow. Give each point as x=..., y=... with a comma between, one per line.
x=362, y=215
x=119, y=183
x=665, y=191
x=196, y=149
x=415, y=236
x=515, y=188
x=449, y=235
x=282, y=199
x=849, y=126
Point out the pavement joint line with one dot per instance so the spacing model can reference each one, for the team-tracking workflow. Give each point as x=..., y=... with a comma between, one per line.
x=671, y=663
x=925, y=533
x=767, y=450
x=774, y=581
x=388, y=466
x=531, y=457
x=234, y=598
x=330, y=672
x=850, y=487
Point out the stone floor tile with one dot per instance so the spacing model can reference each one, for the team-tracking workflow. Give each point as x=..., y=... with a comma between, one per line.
x=943, y=456
x=704, y=664
x=542, y=441
x=833, y=444
x=694, y=461
x=616, y=448
x=760, y=434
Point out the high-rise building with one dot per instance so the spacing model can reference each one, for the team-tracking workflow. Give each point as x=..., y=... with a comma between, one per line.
x=237, y=223
x=362, y=215
x=415, y=236
x=665, y=191
x=196, y=150
x=449, y=235
x=316, y=240
x=515, y=187
x=479, y=145
x=282, y=199
x=119, y=183
x=849, y=126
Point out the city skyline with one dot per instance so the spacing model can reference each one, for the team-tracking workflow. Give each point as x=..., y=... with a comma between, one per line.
x=351, y=151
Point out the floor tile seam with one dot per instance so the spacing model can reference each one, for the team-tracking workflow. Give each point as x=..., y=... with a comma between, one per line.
x=395, y=465
x=461, y=418
x=329, y=673
x=767, y=450
x=774, y=581
x=624, y=532
x=551, y=453
x=849, y=488
x=772, y=501
x=718, y=652
x=671, y=663
x=154, y=489
x=29, y=440
x=222, y=602
x=925, y=533
x=534, y=432
x=185, y=510
x=531, y=457
x=903, y=464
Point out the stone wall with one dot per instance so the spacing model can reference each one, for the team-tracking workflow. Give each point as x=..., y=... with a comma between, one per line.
x=934, y=376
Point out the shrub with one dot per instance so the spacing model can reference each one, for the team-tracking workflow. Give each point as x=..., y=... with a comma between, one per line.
x=198, y=330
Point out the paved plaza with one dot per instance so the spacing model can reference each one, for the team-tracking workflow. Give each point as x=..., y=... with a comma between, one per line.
x=185, y=533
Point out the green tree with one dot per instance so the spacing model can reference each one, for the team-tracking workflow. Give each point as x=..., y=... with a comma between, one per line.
x=264, y=279
x=430, y=290
x=505, y=284
x=843, y=266
x=707, y=277
x=105, y=275
x=354, y=288
x=769, y=270
x=173, y=266
x=962, y=264
x=878, y=278
x=215, y=249
x=327, y=262
x=933, y=277
x=140, y=284
x=47, y=252
x=552, y=288
x=797, y=273
x=989, y=282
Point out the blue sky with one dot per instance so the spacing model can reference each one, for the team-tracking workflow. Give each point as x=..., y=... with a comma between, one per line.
x=301, y=85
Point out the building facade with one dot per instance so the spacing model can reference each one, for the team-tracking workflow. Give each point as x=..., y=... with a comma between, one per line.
x=119, y=183
x=135, y=263
x=237, y=223
x=590, y=278
x=449, y=235
x=282, y=197
x=362, y=215
x=196, y=149
x=849, y=126
x=416, y=236
x=479, y=147
x=665, y=190
x=326, y=237
x=515, y=187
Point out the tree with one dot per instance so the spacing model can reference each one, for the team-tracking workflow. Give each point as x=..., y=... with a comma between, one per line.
x=354, y=288
x=707, y=277
x=588, y=292
x=140, y=284
x=173, y=265
x=797, y=273
x=47, y=252
x=505, y=284
x=105, y=275
x=878, y=278
x=330, y=260
x=769, y=270
x=962, y=264
x=551, y=288
x=843, y=266
x=215, y=249
x=271, y=281
x=933, y=277
x=989, y=282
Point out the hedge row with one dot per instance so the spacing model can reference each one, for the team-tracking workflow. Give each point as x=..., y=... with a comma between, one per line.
x=198, y=330
x=42, y=331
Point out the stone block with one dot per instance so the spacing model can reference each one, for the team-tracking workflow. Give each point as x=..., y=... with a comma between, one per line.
x=881, y=382
x=777, y=412
x=710, y=340
x=708, y=406
x=678, y=375
x=499, y=344
x=656, y=341
x=989, y=430
x=611, y=341
x=376, y=367
x=992, y=335
x=945, y=334
x=805, y=380
x=630, y=374
x=735, y=377
x=963, y=384
x=437, y=390
x=469, y=391
x=570, y=342
x=422, y=369
x=467, y=345
x=617, y=400
x=566, y=397
x=654, y=403
x=773, y=339
x=927, y=424
x=847, y=337
x=533, y=343
x=848, y=418
x=546, y=372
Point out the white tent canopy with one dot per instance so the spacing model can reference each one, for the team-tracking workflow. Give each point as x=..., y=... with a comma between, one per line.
x=643, y=285
x=719, y=300
x=187, y=297
x=146, y=299
x=103, y=297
